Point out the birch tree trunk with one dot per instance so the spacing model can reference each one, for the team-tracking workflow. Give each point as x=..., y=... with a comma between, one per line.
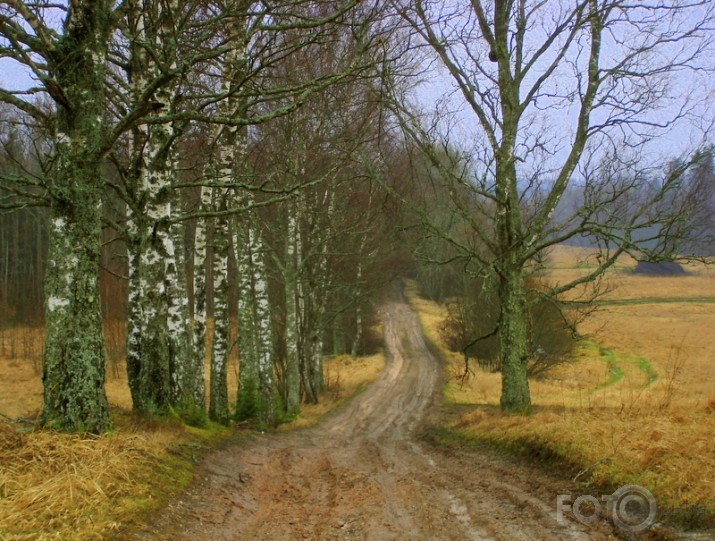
x=255, y=396
x=187, y=378
x=264, y=331
x=358, y=282
x=305, y=312
x=74, y=357
x=160, y=373
x=135, y=314
x=199, y=316
x=154, y=255
x=358, y=312
x=292, y=330
x=247, y=401
x=255, y=399
x=218, y=397
x=230, y=157
x=136, y=219
x=319, y=284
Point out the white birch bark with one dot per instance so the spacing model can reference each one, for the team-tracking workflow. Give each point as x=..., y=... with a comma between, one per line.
x=199, y=319
x=218, y=397
x=256, y=387
x=255, y=398
x=292, y=332
x=264, y=331
x=135, y=217
x=319, y=296
x=134, y=308
x=186, y=374
x=158, y=286
x=306, y=389
x=358, y=312
x=156, y=252
x=247, y=401
x=228, y=157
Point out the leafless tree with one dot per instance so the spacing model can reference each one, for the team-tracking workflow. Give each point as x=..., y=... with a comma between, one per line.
x=556, y=94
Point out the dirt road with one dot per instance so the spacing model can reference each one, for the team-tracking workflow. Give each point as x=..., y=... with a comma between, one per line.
x=364, y=473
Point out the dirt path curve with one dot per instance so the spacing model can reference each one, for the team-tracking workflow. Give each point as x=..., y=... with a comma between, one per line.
x=363, y=473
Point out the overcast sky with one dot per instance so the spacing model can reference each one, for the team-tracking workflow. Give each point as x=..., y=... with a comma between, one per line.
x=692, y=90
x=686, y=135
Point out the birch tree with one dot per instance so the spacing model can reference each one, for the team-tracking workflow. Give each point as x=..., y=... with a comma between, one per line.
x=322, y=243
x=255, y=393
x=251, y=92
x=558, y=93
x=162, y=370
x=116, y=76
x=152, y=251
x=68, y=63
x=88, y=115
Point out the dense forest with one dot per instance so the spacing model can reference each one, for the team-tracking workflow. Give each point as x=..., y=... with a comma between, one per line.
x=253, y=176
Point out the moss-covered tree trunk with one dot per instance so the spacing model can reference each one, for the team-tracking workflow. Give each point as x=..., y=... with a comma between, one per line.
x=513, y=321
x=513, y=343
x=74, y=357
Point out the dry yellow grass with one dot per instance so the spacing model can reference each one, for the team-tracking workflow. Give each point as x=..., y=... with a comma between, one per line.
x=63, y=486
x=638, y=402
x=60, y=486
x=345, y=376
x=21, y=367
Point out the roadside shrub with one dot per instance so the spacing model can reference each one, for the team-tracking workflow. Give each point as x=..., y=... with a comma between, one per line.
x=476, y=312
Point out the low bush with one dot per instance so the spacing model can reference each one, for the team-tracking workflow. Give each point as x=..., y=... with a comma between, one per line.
x=475, y=314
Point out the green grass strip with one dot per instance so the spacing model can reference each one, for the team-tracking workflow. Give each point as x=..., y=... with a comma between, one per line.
x=645, y=367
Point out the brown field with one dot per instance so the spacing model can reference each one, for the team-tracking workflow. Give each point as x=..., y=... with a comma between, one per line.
x=636, y=405
x=59, y=486
x=21, y=369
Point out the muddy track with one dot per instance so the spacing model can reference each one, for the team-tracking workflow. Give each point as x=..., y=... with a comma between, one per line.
x=364, y=473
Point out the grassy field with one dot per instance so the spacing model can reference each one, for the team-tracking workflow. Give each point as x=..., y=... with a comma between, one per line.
x=635, y=405
x=58, y=486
